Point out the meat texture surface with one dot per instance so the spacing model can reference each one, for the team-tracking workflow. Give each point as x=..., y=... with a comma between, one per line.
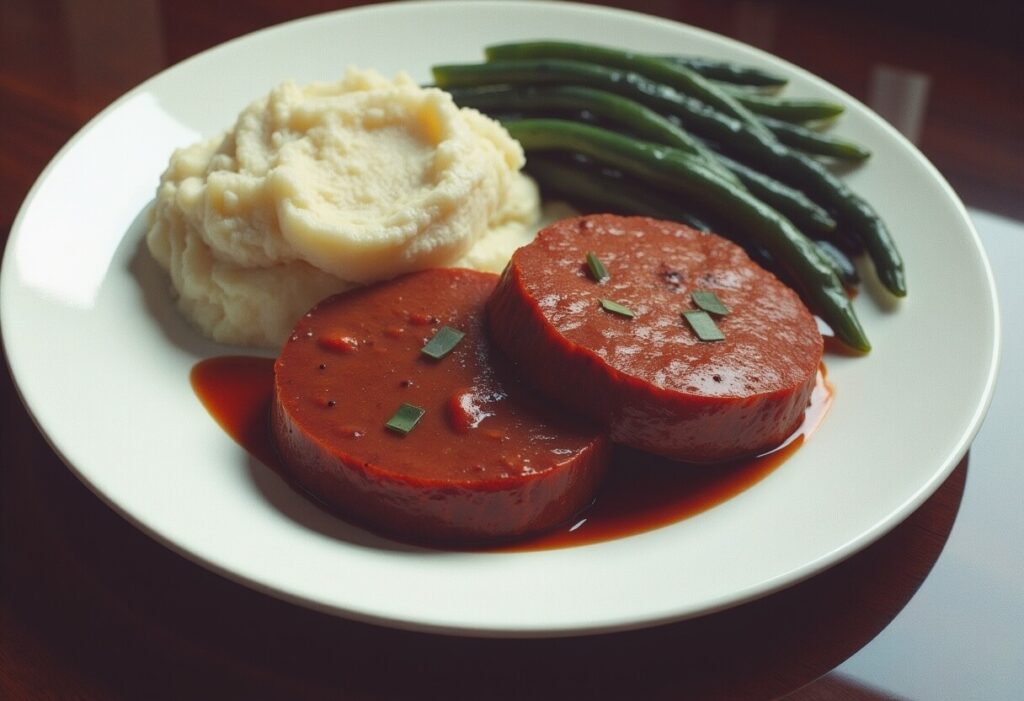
x=648, y=378
x=486, y=462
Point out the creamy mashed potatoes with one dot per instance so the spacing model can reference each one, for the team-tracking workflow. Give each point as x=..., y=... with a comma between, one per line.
x=322, y=187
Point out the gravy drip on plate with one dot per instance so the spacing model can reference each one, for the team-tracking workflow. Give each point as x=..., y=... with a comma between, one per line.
x=641, y=492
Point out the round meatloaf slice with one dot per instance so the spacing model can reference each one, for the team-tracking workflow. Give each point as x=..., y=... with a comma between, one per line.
x=485, y=462
x=648, y=378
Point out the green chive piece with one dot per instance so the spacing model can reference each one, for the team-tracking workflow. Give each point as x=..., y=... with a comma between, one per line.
x=616, y=308
x=442, y=343
x=709, y=302
x=405, y=418
x=703, y=325
x=597, y=269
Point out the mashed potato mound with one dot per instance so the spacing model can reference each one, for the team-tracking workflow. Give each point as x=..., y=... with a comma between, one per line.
x=322, y=187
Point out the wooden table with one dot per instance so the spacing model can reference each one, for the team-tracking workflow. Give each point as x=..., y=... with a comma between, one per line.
x=91, y=608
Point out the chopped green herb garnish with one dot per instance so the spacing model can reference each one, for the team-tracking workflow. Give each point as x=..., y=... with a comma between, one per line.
x=709, y=302
x=703, y=325
x=616, y=308
x=597, y=269
x=405, y=418
x=442, y=343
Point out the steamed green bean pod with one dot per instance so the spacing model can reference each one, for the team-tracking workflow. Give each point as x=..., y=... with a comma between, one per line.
x=815, y=142
x=844, y=267
x=674, y=75
x=729, y=72
x=578, y=183
x=581, y=183
x=621, y=111
x=794, y=204
x=650, y=125
x=684, y=174
x=766, y=154
x=789, y=109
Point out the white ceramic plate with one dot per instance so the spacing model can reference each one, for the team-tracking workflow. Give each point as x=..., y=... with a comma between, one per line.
x=102, y=361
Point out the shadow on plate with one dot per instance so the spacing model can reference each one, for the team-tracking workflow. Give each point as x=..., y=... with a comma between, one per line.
x=157, y=297
x=304, y=511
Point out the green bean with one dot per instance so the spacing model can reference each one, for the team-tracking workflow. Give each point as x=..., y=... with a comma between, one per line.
x=844, y=267
x=578, y=183
x=682, y=173
x=668, y=73
x=855, y=213
x=776, y=159
x=622, y=111
x=767, y=154
x=815, y=142
x=694, y=114
x=797, y=206
x=582, y=183
x=786, y=108
x=728, y=72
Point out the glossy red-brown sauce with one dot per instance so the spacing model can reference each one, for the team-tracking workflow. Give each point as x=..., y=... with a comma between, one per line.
x=488, y=460
x=647, y=379
x=773, y=341
x=355, y=358
x=641, y=492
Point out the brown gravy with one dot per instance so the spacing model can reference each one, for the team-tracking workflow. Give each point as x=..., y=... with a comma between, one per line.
x=641, y=492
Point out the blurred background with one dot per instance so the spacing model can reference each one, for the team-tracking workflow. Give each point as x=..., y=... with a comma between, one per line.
x=949, y=78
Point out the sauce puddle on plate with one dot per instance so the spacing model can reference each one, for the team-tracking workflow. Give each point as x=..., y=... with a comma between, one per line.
x=641, y=492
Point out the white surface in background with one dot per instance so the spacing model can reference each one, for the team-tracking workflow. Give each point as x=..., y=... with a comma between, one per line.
x=962, y=635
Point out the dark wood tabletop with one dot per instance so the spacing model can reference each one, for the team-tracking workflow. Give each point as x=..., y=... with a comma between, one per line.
x=91, y=608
